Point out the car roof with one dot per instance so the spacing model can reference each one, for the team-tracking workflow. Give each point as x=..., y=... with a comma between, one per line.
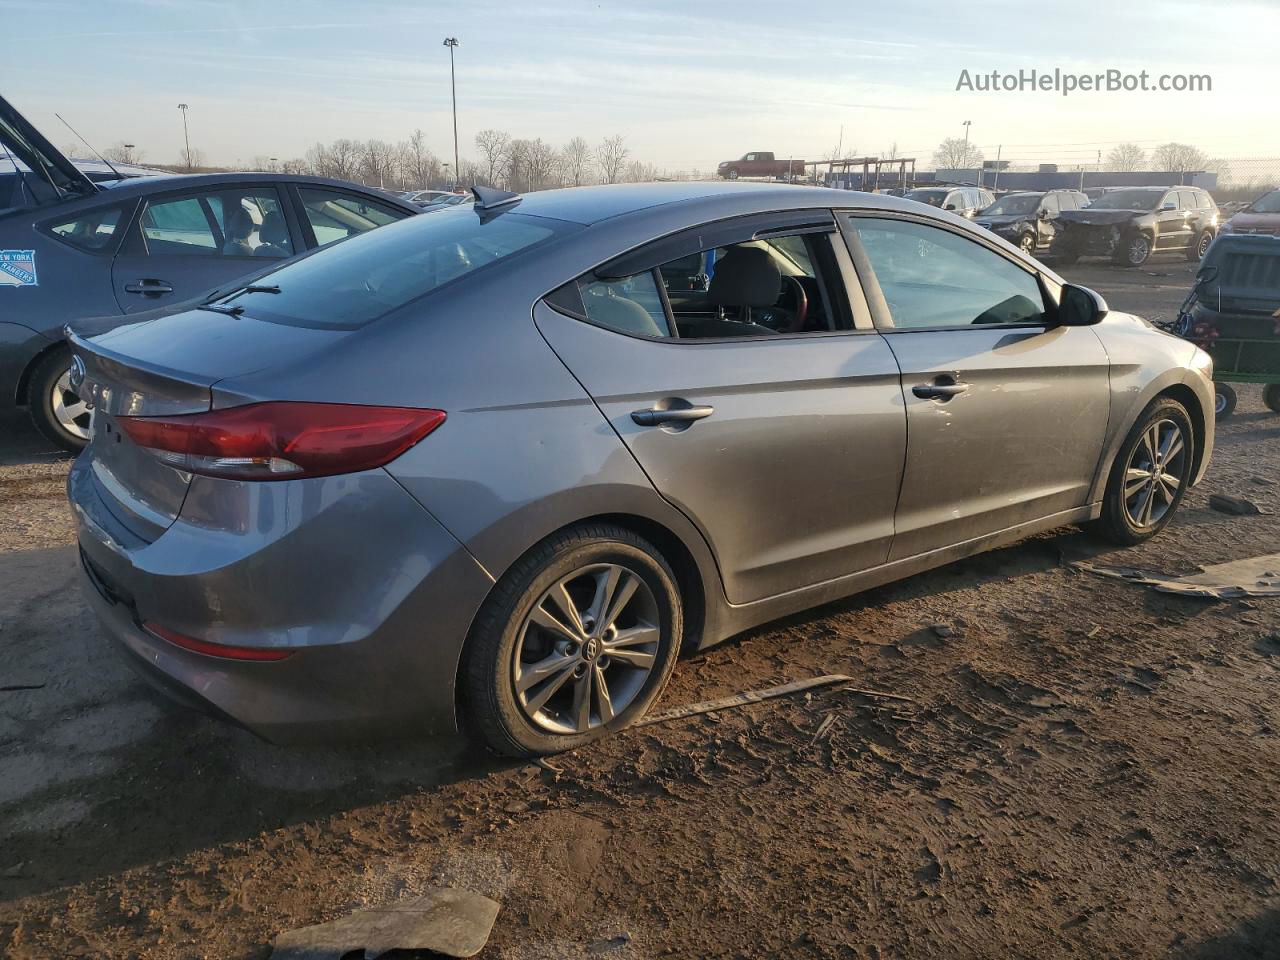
x=588, y=205
x=132, y=187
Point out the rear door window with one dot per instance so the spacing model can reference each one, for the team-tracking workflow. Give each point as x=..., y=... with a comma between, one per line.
x=239, y=222
x=334, y=215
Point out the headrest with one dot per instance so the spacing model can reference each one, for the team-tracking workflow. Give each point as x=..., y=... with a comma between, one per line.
x=273, y=229
x=745, y=277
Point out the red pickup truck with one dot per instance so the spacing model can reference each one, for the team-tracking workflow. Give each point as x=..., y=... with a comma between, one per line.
x=760, y=164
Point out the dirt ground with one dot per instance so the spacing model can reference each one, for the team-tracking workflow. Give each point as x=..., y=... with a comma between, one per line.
x=1085, y=768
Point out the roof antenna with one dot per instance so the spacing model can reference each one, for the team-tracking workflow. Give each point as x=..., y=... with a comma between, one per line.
x=91, y=147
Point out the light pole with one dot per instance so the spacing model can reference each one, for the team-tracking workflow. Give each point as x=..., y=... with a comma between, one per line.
x=452, y=42
x=128, y=152
x=966, y=147
x=186, y=139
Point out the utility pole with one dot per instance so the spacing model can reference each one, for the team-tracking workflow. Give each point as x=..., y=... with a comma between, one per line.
x=185, y=138
x=452, y=42
x=999, y=150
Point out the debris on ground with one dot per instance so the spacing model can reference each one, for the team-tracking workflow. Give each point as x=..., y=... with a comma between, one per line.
x=742, y=699
x=1235, y=506
x=448, y=921
x=607, y=946
x=1251, y=577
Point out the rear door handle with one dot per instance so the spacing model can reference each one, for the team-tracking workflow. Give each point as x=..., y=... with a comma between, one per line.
x=939, y=391
x=655, y=417
x=148, y=286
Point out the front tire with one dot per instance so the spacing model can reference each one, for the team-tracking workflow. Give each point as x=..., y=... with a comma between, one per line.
x=733, y=173
x=55, y=409
x=576, y=641
x=1027, y=243
x=1224, y=400
x=1271, y=397
x=1150, y=475
x=1135, y=252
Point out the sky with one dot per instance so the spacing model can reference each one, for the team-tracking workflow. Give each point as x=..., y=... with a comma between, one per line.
x=687, y=83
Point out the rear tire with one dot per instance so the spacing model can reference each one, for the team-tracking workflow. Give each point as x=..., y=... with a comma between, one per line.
x=514, y=656
x=1271, y=397
x=1200, y=246
x=1150, y=475
x=1224, y=400
x=55, y=410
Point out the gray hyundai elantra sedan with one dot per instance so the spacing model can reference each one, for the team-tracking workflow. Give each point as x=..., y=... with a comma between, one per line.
x=497, y=467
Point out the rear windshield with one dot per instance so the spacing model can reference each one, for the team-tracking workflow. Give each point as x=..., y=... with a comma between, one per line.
x=933, y=197
x=365, y=277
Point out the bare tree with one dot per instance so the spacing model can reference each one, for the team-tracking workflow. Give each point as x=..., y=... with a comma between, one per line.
x=340, y=159
x=420, y=166
x=540, y=164
x=638, y=172
x=496, y=147
x=297, y=165
x=575, y=162
x=1124, y=157
x=190, y=160
x=1179, y=158
x=611, y=155
x=377, y=162
x=954, y=153
x=122, y=152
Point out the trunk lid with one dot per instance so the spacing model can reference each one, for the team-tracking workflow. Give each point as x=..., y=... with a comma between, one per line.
x=49, y=176
x=166, y=366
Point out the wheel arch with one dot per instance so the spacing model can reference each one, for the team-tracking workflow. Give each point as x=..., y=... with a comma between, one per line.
x=1195, y=410
x=24, y=379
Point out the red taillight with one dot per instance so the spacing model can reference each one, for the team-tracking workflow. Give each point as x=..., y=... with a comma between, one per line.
x=282, y=441
x=225, y=651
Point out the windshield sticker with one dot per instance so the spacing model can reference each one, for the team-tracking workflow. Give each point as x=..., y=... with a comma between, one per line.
x=17, y=268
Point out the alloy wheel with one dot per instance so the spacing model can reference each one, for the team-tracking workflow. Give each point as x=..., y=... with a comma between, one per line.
x=1155, y=473
x=1139, y=250
x=1202, y=247
x=70, y=412
x=585, y=649
x=1028, y=244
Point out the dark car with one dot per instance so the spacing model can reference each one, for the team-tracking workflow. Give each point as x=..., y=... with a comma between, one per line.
x=961, y=200
x=1129, y=225
x=1262, y=217
x=71, y=247
x=1026, y=219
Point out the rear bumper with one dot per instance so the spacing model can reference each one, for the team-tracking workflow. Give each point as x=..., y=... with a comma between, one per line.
x=373, y=596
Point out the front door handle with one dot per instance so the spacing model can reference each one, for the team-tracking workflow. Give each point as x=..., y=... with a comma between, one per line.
x=942, y=389
x=655, y=417
x=148, y=286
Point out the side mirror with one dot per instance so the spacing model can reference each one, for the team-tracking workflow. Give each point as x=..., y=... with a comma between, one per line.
x=1044, y=214
x=949, y=206
x=1080, y=307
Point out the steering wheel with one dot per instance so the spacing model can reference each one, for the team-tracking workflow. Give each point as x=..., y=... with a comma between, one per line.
x=801, y=311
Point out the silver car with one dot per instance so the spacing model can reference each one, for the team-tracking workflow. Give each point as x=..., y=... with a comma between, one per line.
x=503, y=464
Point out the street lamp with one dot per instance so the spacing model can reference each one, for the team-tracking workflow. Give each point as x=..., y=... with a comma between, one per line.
x=966, y=144
x=186, y=139
x=128, y=154
x=452, y=42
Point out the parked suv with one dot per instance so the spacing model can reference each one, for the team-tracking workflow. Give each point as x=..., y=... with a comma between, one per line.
x=1026, y=219
x=963, y=201
x=1129, y=225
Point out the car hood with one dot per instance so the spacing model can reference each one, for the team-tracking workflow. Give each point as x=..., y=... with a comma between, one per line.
x=52, y=176
x=1248, y=220
x=1002, y=219
x=1099, y=217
